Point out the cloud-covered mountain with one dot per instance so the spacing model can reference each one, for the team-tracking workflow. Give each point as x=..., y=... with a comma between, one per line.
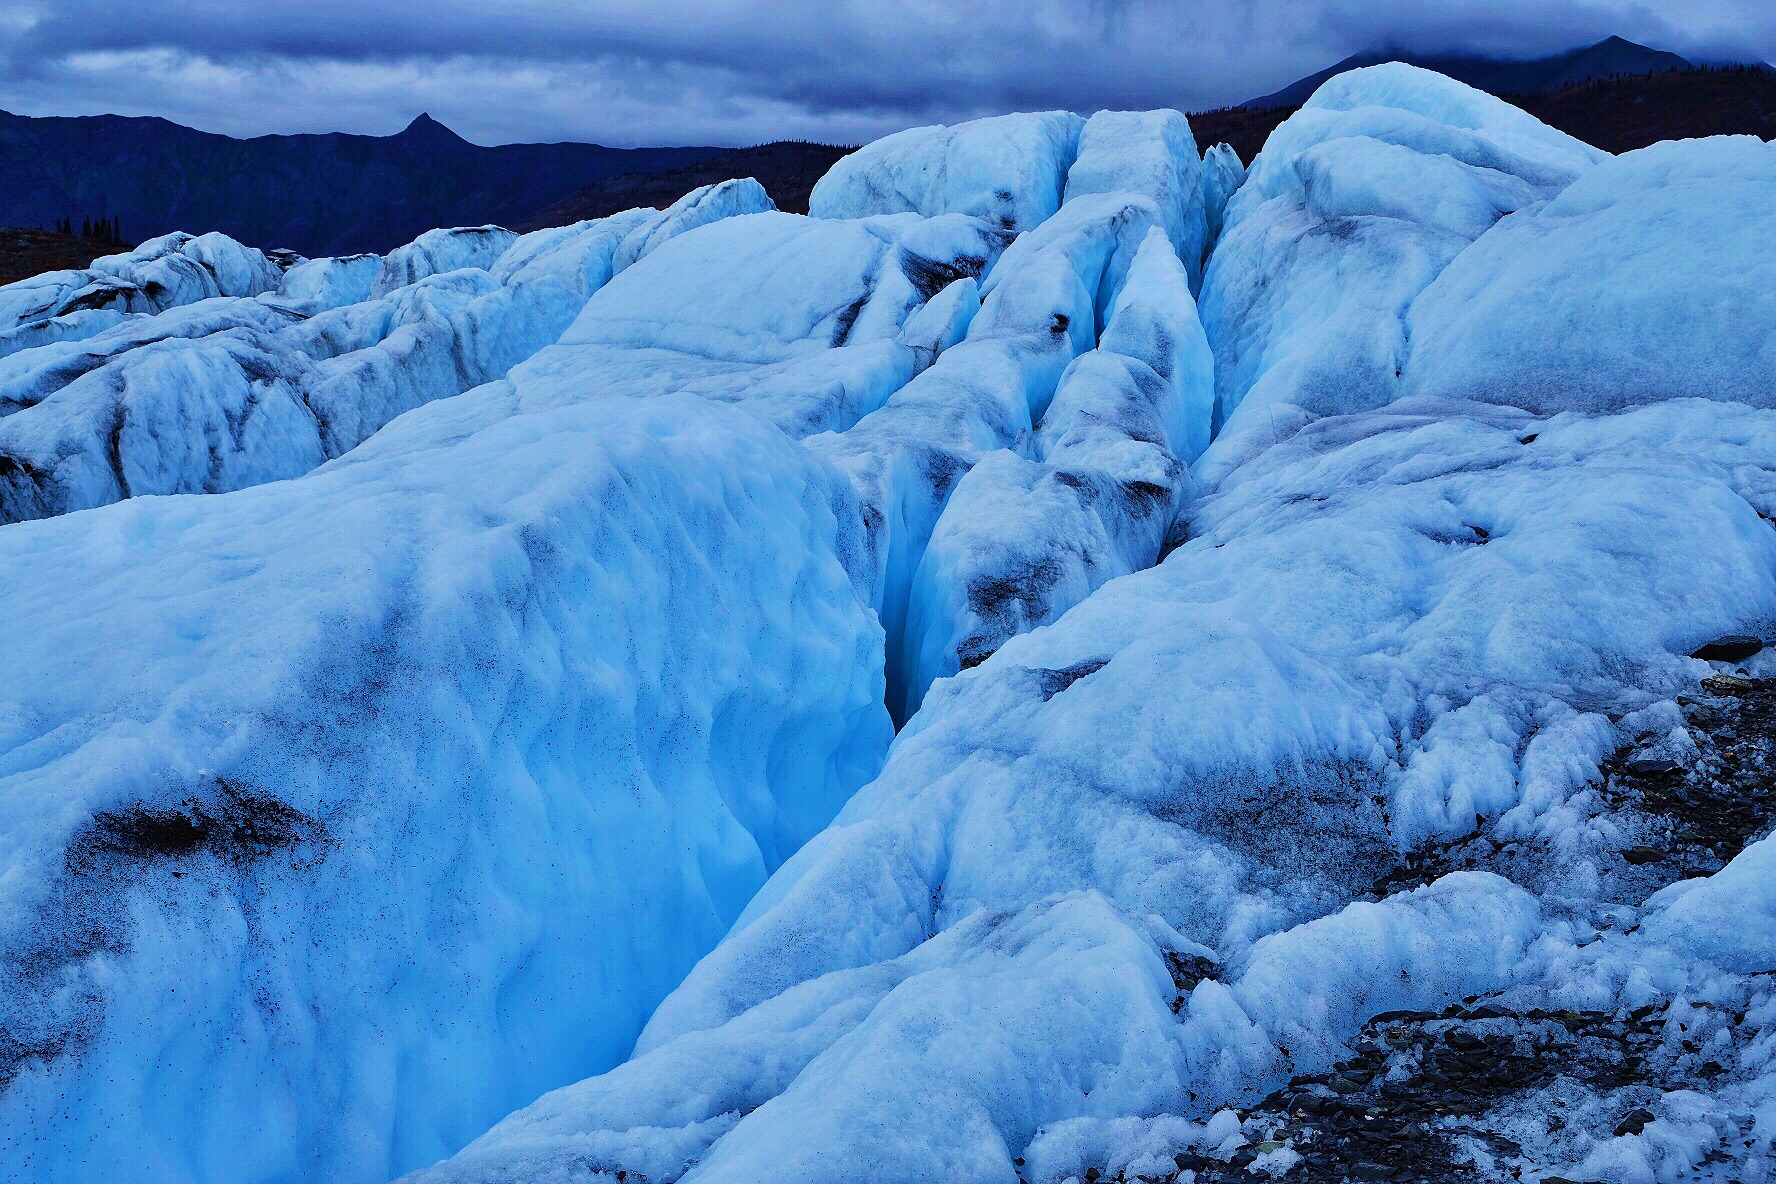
x=1496, y=75
x=753, y=71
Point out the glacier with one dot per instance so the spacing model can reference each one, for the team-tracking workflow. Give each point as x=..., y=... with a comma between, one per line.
x=1078, y=660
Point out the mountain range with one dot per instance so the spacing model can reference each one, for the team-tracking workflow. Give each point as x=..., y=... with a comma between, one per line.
x=327, y=194
x=332, y=194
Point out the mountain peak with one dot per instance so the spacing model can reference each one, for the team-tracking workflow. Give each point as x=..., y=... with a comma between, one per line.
x=425, y=127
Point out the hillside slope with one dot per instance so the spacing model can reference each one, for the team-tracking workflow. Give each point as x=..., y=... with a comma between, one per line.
x=1617, y=114
x=1622, y=114
x=26, y=251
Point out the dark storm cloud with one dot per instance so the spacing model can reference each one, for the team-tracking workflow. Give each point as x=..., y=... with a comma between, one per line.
x=742, y=70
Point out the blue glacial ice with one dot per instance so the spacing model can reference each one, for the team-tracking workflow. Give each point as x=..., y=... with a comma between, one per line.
x=942, y=689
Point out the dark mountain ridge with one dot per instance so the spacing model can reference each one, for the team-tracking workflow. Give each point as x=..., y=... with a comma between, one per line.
x=787, y=169
x=321, y=194
x=1499, y=76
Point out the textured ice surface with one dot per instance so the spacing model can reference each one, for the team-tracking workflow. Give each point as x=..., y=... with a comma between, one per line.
x=1010, y=170
x=341, y=816
x=223, y=394
x=202, y=398
x=1222, y=175
x=1151, y=153
x=808, y=322
x=585, y=255
x=73, y=326
x=162, y=273
x=1042, y=307
x=438, y=251
x=316, y=285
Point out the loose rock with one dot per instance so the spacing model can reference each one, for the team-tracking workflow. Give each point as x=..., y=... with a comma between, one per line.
x=1728, y=684
x=1735, y=648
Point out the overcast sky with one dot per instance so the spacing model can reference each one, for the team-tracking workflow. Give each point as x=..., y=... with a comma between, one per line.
x=630, y=72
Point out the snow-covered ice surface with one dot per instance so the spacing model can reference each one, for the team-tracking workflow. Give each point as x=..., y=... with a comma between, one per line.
x=1304, y=772
x=1010, y=170
x=1357, y=202
x=1617, y=292
x=343, y=815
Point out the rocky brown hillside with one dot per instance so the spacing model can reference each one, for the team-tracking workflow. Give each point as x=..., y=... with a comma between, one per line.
x=26, y=251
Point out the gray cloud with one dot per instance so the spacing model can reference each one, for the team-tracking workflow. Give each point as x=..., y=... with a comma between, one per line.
x=739, y=71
